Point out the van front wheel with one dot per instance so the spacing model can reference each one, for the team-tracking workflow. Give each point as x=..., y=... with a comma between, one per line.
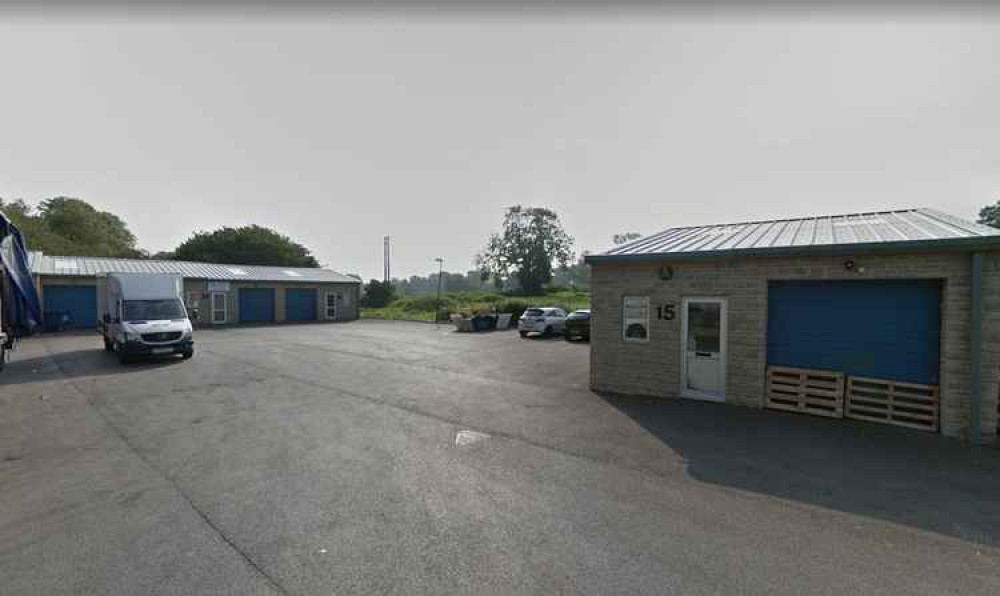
x=187, y=354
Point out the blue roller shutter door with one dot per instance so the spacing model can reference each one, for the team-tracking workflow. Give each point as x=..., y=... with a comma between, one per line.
x=76, y=305
x=256, y=305
x=300, y=304
x=885, y=329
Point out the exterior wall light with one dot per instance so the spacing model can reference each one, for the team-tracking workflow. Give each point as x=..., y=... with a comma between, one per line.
x=850, y=265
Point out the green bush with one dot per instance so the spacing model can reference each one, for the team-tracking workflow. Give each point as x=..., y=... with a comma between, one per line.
x=378, y=294
x=515, y=306
x=464, y=297
x=550, y=290
x=422, y=307
x=424, y=303
x=395, y=314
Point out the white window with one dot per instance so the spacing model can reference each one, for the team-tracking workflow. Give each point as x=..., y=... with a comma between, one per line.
x=331, y=306
x=635, y=319
x=219, y=314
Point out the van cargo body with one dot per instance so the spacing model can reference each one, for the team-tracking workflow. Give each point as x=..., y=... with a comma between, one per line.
x=20, y=311
x=143, y=314
x=3, y=327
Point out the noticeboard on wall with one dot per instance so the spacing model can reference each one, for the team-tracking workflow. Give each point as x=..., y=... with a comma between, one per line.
x=635, y=318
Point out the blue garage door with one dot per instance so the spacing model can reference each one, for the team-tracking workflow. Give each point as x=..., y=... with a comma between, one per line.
x=256, y=305
x=300, y=304
x=882, y=329
x=70, y=307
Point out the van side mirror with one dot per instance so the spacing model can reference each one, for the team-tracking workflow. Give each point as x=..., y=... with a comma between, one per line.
x=107, y=318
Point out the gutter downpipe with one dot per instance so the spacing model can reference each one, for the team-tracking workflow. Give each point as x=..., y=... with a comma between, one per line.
x=976, y=341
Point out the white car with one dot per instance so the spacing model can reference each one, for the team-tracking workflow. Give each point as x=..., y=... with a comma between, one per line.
x=547, y=320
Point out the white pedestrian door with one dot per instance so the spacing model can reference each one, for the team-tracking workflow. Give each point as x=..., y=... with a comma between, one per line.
x=219, y=314
x=703, y=370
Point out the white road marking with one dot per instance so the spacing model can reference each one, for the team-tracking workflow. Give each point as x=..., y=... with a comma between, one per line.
x=468, y=437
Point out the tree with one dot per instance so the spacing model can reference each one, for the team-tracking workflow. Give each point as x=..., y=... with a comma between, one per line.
x=450, y=282
x=532, y=239
x=576, y=275
x=21, y=214
x=990, y=215
x=247, y=245
x=378, y=294
x=625, y=237
x=68, y=226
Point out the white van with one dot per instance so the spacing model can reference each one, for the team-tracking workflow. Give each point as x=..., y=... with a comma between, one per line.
x=3, y=326
x=142, y=314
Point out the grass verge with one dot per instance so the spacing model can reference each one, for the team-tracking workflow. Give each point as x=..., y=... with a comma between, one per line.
x=421, y=308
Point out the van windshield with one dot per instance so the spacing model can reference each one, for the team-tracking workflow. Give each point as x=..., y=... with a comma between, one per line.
x=154, y=310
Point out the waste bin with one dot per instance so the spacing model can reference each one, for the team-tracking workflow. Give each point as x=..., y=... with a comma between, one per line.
x=484, y=323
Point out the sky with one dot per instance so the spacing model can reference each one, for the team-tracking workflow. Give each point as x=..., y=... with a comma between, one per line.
x=339, y=129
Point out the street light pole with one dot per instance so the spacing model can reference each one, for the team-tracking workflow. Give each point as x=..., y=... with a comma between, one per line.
x=437, y=308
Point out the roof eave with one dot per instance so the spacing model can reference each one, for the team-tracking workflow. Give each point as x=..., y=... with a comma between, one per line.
x=904, y=246
x=204, y=278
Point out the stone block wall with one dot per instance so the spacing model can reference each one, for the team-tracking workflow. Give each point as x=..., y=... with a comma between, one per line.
x=654, y=368
x=347, y=306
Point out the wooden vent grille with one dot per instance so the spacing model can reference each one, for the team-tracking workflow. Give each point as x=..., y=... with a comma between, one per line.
x=816, y=392
x=890, y=402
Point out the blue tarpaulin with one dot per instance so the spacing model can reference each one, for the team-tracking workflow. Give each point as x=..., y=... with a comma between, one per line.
x=21, y=311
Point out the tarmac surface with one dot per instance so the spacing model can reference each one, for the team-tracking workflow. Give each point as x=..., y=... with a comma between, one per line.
x=400, y=458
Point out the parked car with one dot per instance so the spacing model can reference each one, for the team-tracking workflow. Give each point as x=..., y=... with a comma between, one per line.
x=578, y=325
x=546, y=320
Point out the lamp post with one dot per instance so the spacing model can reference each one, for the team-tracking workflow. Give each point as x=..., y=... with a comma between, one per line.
x=437, y=308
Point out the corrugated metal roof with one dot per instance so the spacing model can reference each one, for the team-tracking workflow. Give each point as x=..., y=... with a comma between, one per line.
x=909, y=227
x=89, y=266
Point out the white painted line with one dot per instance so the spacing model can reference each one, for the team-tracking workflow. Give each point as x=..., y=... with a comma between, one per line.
x=468, y=437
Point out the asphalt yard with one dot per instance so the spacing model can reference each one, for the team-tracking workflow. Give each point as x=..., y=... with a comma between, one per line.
x=401, y=458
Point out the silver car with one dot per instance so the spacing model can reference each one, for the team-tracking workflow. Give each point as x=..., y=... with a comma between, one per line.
x=545, y=320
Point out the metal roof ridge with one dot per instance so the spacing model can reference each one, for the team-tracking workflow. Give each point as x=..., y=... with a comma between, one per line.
x=784, y=226
x=866, y=225
x=789, y=219
x=676, y=237
x=922, y=228
x=815, y=217
x=742, y=234
x=651, y=239
x=687, y=236
x=951, y=221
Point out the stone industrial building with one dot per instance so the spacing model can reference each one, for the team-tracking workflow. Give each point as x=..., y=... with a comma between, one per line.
x=890, y=317
x=215, y=294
